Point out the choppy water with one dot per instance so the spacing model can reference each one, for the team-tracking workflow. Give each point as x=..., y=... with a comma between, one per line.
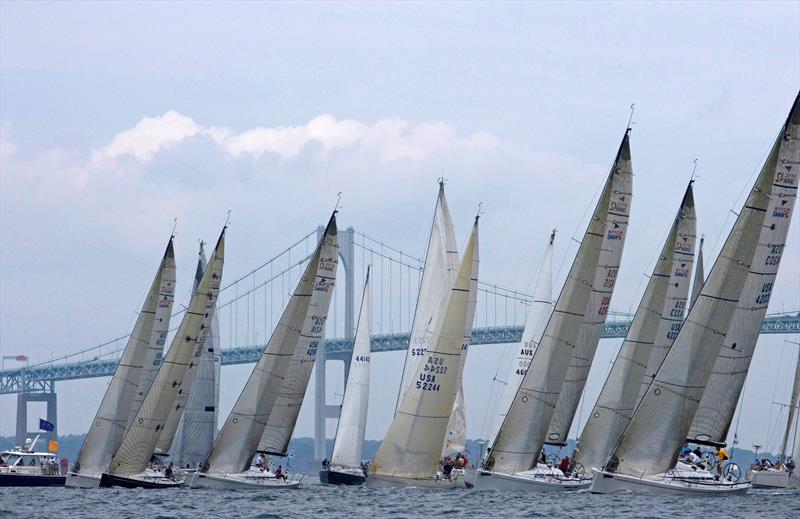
x=319, y=501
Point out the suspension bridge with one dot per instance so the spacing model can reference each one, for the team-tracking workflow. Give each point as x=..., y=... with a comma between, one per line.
x=250, y=306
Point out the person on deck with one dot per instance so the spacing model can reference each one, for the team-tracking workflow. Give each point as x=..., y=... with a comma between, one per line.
x=564, y=465
x=279, y=473
x=693, y=458
x=722, y=456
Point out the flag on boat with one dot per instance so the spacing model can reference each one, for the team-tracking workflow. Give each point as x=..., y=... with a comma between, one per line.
x=52, y=446
x=44, y=425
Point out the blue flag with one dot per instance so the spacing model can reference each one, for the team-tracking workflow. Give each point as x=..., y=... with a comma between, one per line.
x=44, y=425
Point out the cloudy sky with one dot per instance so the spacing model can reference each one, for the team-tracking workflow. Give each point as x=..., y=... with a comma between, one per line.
x=117, y=118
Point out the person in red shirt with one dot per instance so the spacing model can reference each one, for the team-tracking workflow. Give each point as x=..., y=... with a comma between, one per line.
x=564, y=466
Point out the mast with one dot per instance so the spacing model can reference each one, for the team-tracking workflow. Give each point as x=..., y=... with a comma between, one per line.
x=348, y=446
x=238, y=439
x=718, y=405
x=413, y=444
x=524, y=429
x=659, y=312
x=438, y=276
x=786, y=452
x=140, y=439
x=108, y=426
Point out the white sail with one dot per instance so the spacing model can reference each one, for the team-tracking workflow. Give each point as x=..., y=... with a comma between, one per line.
x=455, y=440
x=666, y=294
x=140, y=439
x=699, y=274
x=438, y=276
x=715, y=413
x=524, y=430
x=348, y=446
x=238, y=439
x=538, y=315
x=284, y=413
x=605, y=279
x=108, y=427
x=787, y=449
x=652, y=441
x=413, y=444
x=198, y=425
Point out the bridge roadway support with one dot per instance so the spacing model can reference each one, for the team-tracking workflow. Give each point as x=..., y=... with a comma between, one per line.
x=322, y=410
x=49, y=397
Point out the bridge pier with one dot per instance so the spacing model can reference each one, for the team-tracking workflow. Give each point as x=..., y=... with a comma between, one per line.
x=50, y=398
x=322, y=410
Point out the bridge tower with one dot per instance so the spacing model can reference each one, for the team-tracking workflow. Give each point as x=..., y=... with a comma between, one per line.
x=45, y=394
x=322, y=410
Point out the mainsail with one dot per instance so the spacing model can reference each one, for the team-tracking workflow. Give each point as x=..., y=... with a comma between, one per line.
x=348, y=446
x=535, y=322
x=108, y=427
x=605, y=278
x=524, y=429
x=413, y=444
x=438, y=276
x=718, y=405
x=456, y=438
x=140, y=439
x=238, y=439
x=652, y=441
x=198, y=426
x=657, y=319
x=285, y=410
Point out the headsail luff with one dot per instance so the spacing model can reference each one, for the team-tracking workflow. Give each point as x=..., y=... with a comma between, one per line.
x=536, y=320
x=605, y=279
x=438, y=276
x=455, y=440
x=524, y=429
x=348, y=447
x=238, y=439
x=198, y=425
x=285, y=410
x=788, y=450
x=699, y=274
x=718, y=405
x=108, y=427
x=413, y=444
x=140, y=439
x=657, y=319
x=665, y=414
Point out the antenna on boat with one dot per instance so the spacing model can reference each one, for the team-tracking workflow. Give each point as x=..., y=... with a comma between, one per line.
x=630, y=119
x=694, y=169
x=227, y=219
x=174, y=226
x=338, y=201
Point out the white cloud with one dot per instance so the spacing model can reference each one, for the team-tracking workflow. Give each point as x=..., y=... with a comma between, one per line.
x=7, y=148
x=390, y=139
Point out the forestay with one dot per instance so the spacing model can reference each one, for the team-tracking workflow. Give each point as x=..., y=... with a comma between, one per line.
x=198, y=426
x=413, y=444
x=238, y=439
x=524, y=429
x=605, y=278
x=715, y=413
x=699, y=275
x=283, y=417
x=535, y=322
x=652, y=441
x=657, y=321
x=108, y=427
x=348, y=446
x=438, y=276
x=140, y=439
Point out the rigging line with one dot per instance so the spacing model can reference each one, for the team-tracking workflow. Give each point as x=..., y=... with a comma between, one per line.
x=388, y=257
x=384, y=245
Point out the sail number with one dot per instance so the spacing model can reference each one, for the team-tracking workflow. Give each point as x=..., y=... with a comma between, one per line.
x=604, y=305
x=362, y=358
x=766, y=291
x=416, y=352
x=427, y=383
x=611, y=278
x=312, y=348
x=677, y=310
x=672, y=334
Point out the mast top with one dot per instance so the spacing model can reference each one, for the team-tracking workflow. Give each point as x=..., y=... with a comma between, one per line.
x=553, y=236
x=174, y=226
x=630, y=119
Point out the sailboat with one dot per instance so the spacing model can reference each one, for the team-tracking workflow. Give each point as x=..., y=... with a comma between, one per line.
x=410, y=453
x=535, y=322
x=198, y=425
x=297, y=334
x=108, y=427
x=512, y=460
x=646, y=457
x=784, y=474
x=129, y=465
x=655, y=325
x=345, y=467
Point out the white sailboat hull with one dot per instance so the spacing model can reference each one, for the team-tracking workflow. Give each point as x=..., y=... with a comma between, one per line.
x=771, y=478
x=382, y=481
x=536, y=480
x=608, y=483
x=75, y=480
x=242, y=480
